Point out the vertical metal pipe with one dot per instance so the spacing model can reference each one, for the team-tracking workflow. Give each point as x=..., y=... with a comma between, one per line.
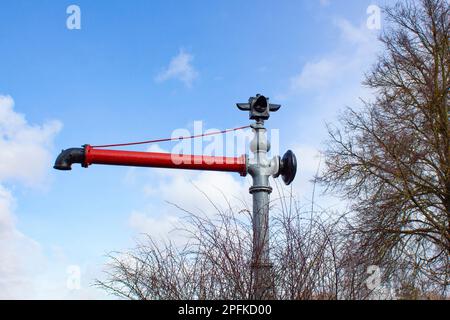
x=261, y=267
x=260, y=168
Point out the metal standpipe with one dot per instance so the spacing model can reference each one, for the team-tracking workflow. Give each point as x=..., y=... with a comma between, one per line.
x=261, y=168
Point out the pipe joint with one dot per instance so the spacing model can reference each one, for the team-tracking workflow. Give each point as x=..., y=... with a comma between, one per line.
x=68, y=157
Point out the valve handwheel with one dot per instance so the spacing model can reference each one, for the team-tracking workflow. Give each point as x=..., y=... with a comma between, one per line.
x=288, y=167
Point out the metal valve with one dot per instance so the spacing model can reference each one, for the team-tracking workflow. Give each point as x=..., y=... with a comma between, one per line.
x=288, y=167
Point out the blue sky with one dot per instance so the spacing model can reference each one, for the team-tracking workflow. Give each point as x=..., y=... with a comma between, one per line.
x=140, y=69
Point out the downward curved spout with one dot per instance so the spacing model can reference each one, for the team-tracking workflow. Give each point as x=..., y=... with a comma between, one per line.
x=67, y=157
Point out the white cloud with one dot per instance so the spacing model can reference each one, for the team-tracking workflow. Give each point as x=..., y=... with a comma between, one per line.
x=360, y=36
x=24, y=148
x=156, y=226
x=343, y=67
x=188, y=190
x=220, y=187
x=315, y=75
x=26, y=272
x=309, y=157
x=16, y=250
x=24, y=154
x=180, y=68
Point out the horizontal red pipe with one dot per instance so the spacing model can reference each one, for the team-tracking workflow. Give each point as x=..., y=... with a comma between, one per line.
x=164, y=160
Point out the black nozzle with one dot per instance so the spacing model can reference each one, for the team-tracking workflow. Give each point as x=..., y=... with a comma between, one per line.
x=288, y=167
x=260, y=104
x=259, y=107
x=67, y=157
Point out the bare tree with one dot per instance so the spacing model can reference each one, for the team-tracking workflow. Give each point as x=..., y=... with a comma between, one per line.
x=314, y=256
x=391, y=159
x=307, y=251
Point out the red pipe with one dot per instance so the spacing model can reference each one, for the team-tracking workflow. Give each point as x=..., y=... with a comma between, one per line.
x=164, y=160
